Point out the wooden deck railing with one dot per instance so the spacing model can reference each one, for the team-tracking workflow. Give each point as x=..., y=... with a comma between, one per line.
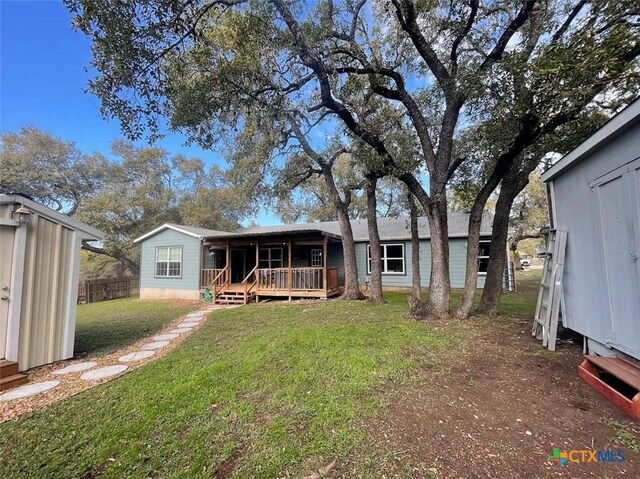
x=208, y=276
x=276, y=279
x=220, y=281
x=273, y=278
x=249, y=282
x=306, y=279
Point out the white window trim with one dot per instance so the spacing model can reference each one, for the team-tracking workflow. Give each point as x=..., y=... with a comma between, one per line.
x=270, y=260
x=155, y=265
x=319, y=252
x=384, y=259
x=482, y=273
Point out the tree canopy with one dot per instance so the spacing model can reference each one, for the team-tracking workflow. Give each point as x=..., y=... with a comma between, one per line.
x=432, y=69
x=126, y=194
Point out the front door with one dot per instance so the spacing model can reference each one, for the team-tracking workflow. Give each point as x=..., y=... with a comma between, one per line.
x=6, y=250
x=238, y=265
x=619, y=203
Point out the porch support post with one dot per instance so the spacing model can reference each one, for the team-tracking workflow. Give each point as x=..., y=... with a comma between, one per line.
x=325, y=242
x=228, y=278
x=203, y=258
x=257, y=270
x=290, y=276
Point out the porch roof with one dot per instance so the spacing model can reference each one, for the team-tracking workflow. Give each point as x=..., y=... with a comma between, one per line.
x=268, y=231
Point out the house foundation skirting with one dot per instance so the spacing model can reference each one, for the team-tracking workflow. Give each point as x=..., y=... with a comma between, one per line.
x=169, y=293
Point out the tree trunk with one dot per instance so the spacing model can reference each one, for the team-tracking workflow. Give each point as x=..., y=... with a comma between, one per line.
x=513, y=183
x=473, y=242
x=492, y=292
x=417, y=307
x=375, y=296
x=439, y=281
x=351, y=285
x=416, y=289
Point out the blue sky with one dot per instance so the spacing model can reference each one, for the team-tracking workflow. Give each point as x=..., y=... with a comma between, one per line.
x=42, y=78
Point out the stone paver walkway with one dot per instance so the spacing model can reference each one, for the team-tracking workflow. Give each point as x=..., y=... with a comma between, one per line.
x=28, y=390
x=43, y=391
x=75, y=368
x=105, y=372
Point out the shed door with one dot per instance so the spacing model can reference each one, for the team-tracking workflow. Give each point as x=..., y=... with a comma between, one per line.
x=619, y=202
x=6, y=250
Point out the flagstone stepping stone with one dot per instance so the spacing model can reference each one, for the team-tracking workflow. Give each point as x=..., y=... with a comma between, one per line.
x=28, y=390
x=137, y=356
x=102, y=373
x=155, y=345
x=165, y=337
x=188, y=324
x=180, y=330
x=199, y=315
x=76, y=368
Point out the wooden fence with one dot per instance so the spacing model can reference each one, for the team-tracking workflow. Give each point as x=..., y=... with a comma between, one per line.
x=94, y=290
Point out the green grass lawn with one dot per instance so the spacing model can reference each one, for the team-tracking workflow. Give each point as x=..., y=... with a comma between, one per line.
x=259, y=391
x=106, y=326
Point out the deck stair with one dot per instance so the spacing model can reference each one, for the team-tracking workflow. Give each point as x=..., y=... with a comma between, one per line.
x=9, y=375
x=234, y=297
x=616, y=378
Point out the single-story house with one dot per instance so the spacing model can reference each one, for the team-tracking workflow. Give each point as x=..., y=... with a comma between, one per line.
x=39, y=267
x=298, y=260
x=594, y=196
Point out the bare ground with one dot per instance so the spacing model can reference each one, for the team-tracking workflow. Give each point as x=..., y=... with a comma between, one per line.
x=499, y=408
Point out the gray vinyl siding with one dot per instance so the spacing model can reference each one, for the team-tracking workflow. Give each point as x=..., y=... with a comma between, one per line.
x=191, y=252
x=457, y=264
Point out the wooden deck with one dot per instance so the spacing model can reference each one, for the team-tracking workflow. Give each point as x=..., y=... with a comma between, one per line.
x=312, y=282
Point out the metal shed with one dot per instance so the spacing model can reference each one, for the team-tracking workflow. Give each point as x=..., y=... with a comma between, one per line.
x=594, y=196
x=39, y=265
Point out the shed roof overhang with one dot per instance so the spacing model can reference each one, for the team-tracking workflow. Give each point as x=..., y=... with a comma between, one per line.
x=617, y=125
x=86, y=232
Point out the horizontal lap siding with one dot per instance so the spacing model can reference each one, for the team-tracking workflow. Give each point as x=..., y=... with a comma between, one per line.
x=457, y=264
x=191, y=252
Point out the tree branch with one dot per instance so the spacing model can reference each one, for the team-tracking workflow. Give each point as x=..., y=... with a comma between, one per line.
x=512, y=28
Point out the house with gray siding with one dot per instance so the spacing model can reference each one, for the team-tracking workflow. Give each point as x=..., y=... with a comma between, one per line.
x=298, y=260
x=594, y=196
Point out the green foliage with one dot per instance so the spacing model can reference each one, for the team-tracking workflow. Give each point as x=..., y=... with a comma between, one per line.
x=132, y=192
x=529, y=213
x=49, y=170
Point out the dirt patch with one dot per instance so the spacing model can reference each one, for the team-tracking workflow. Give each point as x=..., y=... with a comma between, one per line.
x=500, y=409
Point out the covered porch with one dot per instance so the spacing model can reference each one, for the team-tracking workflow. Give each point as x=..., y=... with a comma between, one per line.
x=238, y=268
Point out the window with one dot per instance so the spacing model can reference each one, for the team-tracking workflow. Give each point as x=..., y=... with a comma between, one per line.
x=316, y=257
x=483, y=256
x=169, y=261
x=270, y=258
x=392, y=258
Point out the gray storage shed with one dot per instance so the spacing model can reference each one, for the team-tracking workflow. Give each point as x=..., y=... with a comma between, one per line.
x=594, y=195
x=39, y=265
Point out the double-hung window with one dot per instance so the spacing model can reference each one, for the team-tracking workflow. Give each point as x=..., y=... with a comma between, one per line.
x=169, y=261
x=270, y=258
x=392, y=258
x=483, y=256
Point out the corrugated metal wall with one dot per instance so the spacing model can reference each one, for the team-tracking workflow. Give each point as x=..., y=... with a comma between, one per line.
x=49, y=256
